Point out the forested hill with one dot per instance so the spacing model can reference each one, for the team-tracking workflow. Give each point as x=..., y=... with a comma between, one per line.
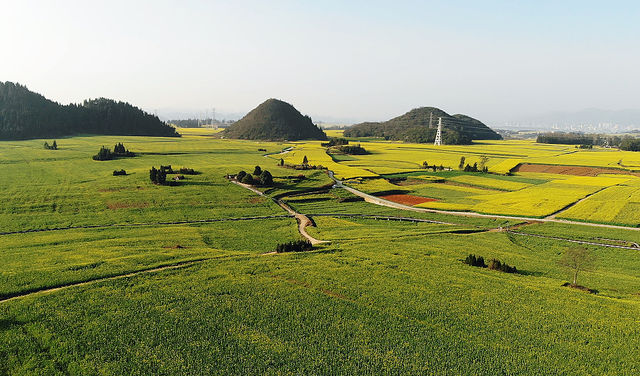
x=414, y=127
x=25, y=114
x=275, y=120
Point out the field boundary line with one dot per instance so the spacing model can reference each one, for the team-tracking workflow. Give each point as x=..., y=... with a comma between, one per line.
x=573, y=240
x=46, y=290
x=141, y=224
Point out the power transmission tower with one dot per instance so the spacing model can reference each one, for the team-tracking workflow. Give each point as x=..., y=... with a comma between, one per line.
x=430, y=120
x=438, y=140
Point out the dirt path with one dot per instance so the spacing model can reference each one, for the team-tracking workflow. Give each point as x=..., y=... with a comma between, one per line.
x=303, y=220
x=379, y=201
x=47, y=290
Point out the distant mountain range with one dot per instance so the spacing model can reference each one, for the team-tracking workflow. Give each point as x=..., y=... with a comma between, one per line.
x=419, y=125
x=25, y=114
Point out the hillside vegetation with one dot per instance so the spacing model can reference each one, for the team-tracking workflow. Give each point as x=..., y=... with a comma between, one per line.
x=414, y=127
x=275, y=120
x=25, y=114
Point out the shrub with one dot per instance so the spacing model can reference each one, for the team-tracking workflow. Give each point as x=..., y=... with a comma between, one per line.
x=119, y=172
x=294, y=246
x=53, y=146
x=167, y=169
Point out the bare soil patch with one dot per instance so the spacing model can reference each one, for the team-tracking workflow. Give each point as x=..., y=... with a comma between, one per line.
x=408, y=199
x=571, y=170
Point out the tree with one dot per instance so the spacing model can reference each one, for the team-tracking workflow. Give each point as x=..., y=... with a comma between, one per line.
x=241, y=175
x=248, y=179
x=425, y=165
x=281, y=162
x=46, y=145
x=305, y=161
x=153, y=174
x=577, y=259
x=257, y=171
x=461, y=164
x=54, y=145
x=266, y=178
x=483, y=162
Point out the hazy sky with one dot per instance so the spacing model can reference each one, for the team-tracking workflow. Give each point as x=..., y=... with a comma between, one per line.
x=361, y=60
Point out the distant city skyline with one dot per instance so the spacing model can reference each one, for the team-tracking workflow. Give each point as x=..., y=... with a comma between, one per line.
x=497, y=61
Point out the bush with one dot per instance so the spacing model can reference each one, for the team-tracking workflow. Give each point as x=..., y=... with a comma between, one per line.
x=119, y=172
x=295, y=246
x=53, y=146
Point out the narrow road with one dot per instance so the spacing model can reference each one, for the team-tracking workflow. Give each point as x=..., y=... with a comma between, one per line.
x=380, y=201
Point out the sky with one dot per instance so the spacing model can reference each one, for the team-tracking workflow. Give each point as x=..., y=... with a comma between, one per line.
x=337, y=61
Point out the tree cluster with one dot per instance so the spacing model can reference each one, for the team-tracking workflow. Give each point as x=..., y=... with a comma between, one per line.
x=334, y=141
x=158, y=177
x=584, y=140
x=435, y=168
x=494, y=264
x=294, y=246
x=53, y=146
x=259, y=177
x=25, y=114
x=119, y=151
x=119, y=172
x=353, y=149
x=630, y=144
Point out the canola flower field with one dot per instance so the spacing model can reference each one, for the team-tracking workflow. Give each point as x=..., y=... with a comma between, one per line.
x=533, y=194
x=121, y=276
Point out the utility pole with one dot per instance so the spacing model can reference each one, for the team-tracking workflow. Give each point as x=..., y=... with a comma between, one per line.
x=438, y=140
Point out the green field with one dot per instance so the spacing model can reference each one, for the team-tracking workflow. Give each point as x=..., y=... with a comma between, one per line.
x=126, y=277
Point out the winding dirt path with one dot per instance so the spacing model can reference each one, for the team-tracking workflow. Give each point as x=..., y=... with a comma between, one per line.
x=303, y=220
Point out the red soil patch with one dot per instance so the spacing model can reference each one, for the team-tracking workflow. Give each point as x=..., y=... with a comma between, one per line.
x=571, y=170
x=408, y=199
